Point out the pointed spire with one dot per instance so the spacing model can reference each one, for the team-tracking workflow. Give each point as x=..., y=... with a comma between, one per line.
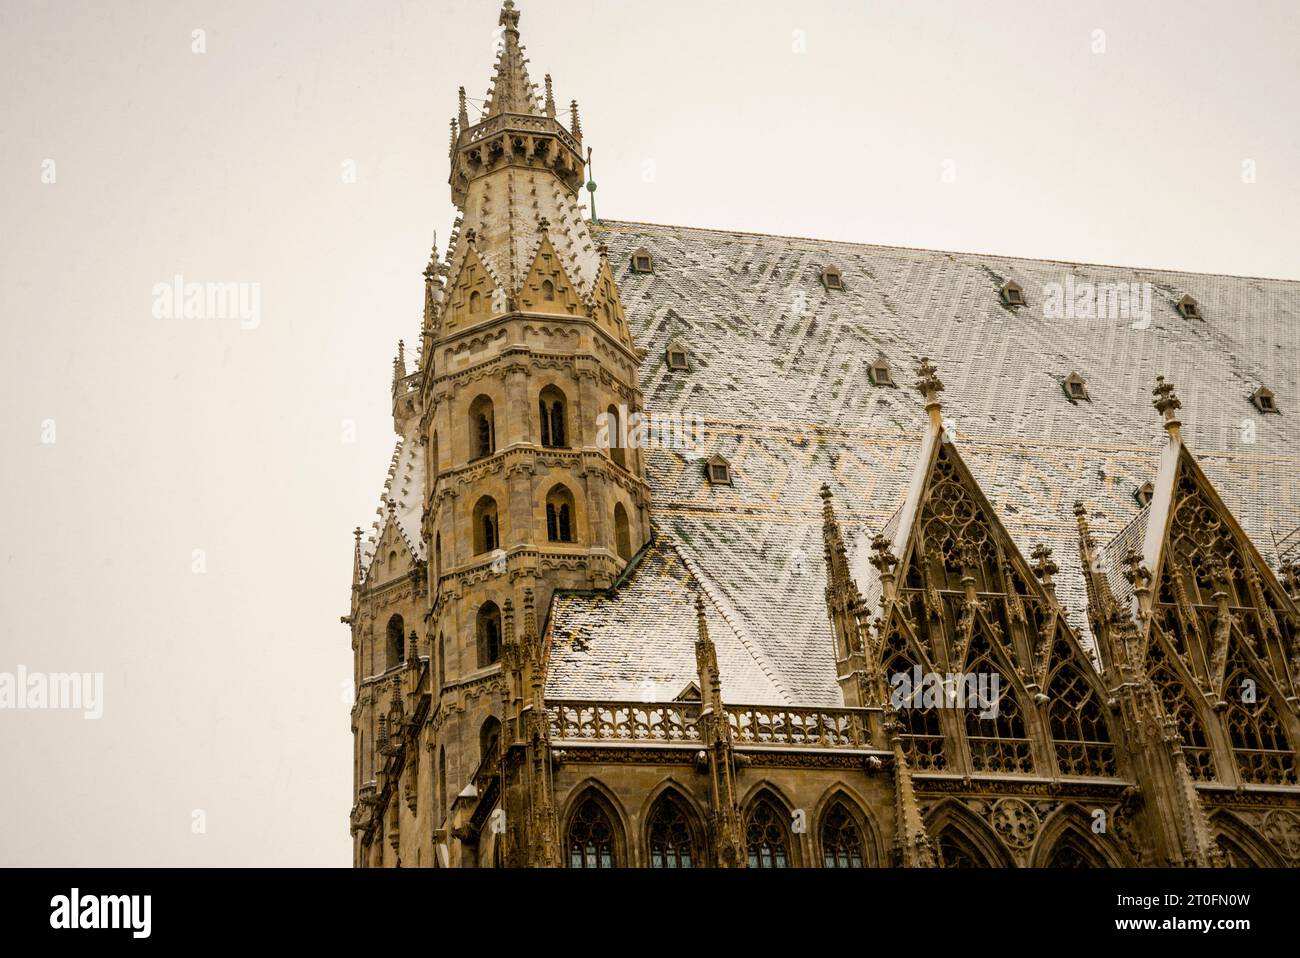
x=462, y=118
x=455, y=135
x=399, y=363
x=511, y=90
x=431, y=271
x=842, y=596
x=575, y=123
x=356, y=557
x=550, y=98
x=706, y=661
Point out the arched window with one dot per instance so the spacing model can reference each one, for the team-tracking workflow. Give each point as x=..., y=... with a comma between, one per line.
x=998, y=742
x=590, y=838
x=1078, y=727
x=922, y=733
x=1259, y=743
x=617, y=440
x=622, y=533
x=842, y=844
x=956, y=850
x=487, y=534
x=1196, y=747
x=475, y=302
x=437, y=561
x=548, y=290
x=1072, y=851
x=442, y=663
x=396, y=641
x=488, y=626
x=482, y=428
x=551, y=409
x=559, y=515
x=489, y=739
x=767, y=837
x=671, y=838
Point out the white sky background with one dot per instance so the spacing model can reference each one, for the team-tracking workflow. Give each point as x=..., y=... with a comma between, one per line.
x=224, y=691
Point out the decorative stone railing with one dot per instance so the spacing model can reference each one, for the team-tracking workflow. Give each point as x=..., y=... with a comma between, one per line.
x=785, y=727
x=669, y=722
x=678, y=722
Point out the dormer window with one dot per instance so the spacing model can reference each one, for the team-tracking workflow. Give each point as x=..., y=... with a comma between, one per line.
x=678, y=357
x=832, y=278
x=1144, y=494
x=1188, y=307
x=1012, y=293
x=879, y=372
x=718, y=471
x=642, y=261
x=1076, y=388
x=1263, y=400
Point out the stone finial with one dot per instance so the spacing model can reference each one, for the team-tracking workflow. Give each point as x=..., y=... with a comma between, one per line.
x=929, y=386
x=463, y=115
x=1290, y=573
x=1044, y=567
x=881, y=557
x=550, y=98
x=1167, y=403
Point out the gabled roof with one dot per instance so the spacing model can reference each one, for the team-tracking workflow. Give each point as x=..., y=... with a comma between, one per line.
x=404, y=487
x=784, y=396
x=638, y=641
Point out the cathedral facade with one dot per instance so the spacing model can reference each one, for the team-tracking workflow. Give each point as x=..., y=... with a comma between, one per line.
x=707, y=549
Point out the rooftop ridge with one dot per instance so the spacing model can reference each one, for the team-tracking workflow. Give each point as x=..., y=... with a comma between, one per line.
x=607, y=222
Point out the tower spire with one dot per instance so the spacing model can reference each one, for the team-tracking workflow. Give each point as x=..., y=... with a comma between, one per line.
x=511, y=90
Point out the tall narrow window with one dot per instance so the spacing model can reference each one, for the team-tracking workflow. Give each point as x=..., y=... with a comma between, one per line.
x=842, y=845
x=487, y=537
x=442, y=663
x=559, y=515
x=548, y=290
x=442, y=783
x=767, y=840
x=590, y=836
x=1078, y=728
x=489, y=634
x=475, y=302
x=482, y=428
x=616, y=437
x=552, y=413
x=671, y=838
x=622, y=533
x=395, y=642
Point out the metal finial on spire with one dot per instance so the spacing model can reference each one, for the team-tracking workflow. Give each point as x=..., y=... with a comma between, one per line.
x=591, y=178
x=431, y=271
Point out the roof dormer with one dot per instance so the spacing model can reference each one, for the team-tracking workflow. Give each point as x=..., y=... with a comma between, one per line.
x=1013, y=294
x=1076, y=388
x=1189, y=308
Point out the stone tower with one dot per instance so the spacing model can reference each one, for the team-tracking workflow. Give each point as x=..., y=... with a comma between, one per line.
x=528, y=376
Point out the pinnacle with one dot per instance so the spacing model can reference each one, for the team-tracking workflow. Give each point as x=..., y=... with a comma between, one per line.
x=511, y=90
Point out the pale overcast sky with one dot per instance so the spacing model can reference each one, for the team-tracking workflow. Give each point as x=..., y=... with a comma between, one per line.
x=1161, y=134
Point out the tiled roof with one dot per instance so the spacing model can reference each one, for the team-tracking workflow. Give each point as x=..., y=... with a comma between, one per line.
x=404, y=487
x=779, y=376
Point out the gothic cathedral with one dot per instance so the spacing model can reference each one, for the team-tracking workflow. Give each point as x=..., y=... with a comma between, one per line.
x=555, y=668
